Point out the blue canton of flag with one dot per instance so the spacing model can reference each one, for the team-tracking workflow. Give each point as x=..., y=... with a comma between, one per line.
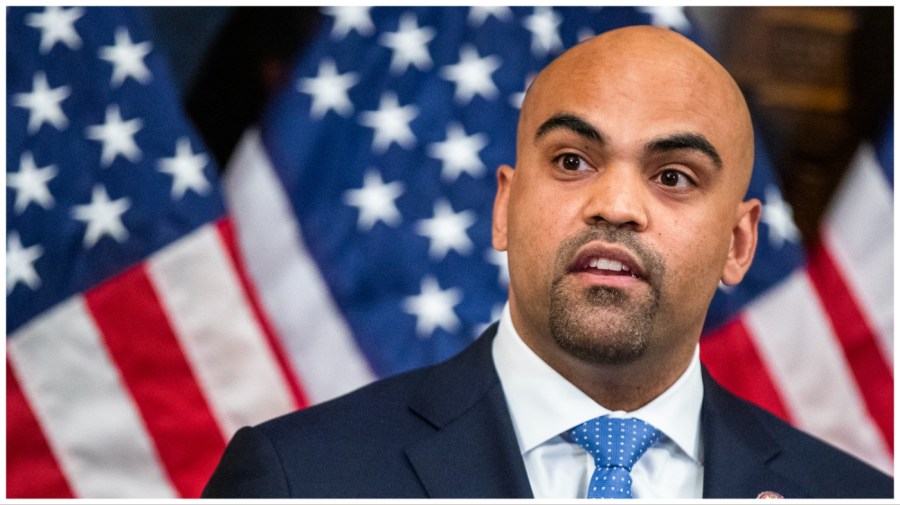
x=98, y=176
x=386, y=145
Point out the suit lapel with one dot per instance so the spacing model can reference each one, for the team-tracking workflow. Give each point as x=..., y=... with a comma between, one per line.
x=737, y=449
x=474, y=452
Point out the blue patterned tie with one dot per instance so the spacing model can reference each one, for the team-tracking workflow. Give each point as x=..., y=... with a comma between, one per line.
x=616, y=445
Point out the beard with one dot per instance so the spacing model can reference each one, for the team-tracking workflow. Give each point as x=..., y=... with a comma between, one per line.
x=602, y=324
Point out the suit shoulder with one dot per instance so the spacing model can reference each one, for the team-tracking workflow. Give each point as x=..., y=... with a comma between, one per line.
x=400, y=401
x=828, y=471
x=379, y=403
x=250, y=468
x=738, y=434
x=367, y=432
x=306, y=453
x=828, y=459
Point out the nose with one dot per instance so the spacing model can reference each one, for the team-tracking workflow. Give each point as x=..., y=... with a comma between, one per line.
x=618, y=197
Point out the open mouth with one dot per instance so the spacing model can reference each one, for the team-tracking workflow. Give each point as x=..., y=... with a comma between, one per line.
x=604, y=260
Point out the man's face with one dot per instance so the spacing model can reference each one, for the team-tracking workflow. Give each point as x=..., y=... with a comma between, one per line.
x=620, y=218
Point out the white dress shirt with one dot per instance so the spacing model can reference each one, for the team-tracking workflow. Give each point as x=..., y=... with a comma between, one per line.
x=543, y=405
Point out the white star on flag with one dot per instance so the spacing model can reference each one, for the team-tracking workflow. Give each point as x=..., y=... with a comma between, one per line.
x=447, y=230
x=472, y=75
x=779, y=217
x=117, y=137
x=329, y=90
x=585, y=33
x=668, y=16
x=409, y=45
x=30, y=183
x=127, y=59
x=376, y=201
x=103, y=217
x=56, y=25
x=544, y=28
x=186, y=169
x=20, y=263
x=478, y=14
x=391, y=123
x=496, y=313
x=44, y=104
x=499, y=259
x=350, y=18
x=459, y=153
x=433, y=307
x=516, y=99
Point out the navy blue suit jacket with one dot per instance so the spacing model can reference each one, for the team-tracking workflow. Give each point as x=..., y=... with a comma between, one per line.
x=446, y=432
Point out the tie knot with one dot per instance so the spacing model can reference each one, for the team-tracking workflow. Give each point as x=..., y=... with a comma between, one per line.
x=615, y=442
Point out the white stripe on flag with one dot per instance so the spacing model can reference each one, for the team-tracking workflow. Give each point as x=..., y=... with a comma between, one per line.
x=797, y=343
x=858, y=231
x=290, y=285
x=227, y=349
x=78, y=397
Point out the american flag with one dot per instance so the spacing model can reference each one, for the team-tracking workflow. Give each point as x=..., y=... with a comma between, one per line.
x=134, y=349
x=361, y=206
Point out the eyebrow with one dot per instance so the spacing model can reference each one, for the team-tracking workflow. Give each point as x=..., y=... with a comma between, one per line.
x=674, y=142
x=678, y=141
x=571, y=122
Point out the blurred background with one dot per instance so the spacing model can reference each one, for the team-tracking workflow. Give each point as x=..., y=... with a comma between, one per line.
x=217, y=215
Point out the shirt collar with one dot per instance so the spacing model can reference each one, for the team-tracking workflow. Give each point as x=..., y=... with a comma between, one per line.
x=544, y=404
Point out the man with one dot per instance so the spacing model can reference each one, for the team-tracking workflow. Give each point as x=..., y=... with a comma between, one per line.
x=623, y=214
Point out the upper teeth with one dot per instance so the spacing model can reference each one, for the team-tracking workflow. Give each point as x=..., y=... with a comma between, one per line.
x=608, y=264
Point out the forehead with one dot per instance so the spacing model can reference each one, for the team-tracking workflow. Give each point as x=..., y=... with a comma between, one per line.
x=627, y=96
x=637, y=90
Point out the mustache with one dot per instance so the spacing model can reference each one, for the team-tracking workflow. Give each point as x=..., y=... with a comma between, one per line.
x=651, y=260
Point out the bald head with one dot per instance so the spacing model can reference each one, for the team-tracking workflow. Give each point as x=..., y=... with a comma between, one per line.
x=646, y=69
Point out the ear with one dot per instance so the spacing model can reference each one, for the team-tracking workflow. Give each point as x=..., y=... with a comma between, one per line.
x=505, y=176
x=743, y=242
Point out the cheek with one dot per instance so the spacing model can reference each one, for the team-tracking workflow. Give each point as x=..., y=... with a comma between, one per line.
x=537, y=225
x=695, y=253
x=528, y=233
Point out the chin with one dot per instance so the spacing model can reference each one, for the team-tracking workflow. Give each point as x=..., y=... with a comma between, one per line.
x=601, y=325
x=602, y=348
x=600, y=335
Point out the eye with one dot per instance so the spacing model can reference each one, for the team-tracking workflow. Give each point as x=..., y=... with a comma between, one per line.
x=674, y=179
x=570, y=162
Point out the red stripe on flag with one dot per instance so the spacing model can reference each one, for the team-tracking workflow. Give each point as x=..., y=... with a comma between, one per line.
x=31, y=468
x=142, y=343
x=858, y=340
x=227, y=234
x=731, y=357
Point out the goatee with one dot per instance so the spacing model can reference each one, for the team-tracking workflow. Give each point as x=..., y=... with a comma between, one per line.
x=603, y=324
